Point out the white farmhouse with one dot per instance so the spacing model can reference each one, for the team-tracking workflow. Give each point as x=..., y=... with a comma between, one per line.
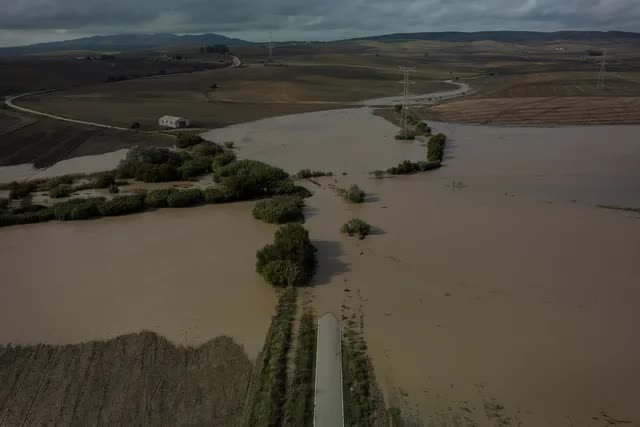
x=173, y=122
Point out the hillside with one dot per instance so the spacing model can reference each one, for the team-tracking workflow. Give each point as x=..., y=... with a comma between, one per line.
x=124, y=42
x=508, y=36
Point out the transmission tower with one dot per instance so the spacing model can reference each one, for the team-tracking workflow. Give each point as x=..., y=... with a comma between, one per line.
x=603, y=71
x=270, y=47
x=404, y=112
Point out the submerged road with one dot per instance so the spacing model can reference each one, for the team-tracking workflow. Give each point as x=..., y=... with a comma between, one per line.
x=328, y=411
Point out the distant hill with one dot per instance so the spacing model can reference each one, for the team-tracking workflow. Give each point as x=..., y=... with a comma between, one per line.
x=124, y=42
x=508, y=36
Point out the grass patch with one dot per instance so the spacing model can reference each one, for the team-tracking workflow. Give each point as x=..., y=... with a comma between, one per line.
x=280, y=209
x=77, y=209
x=300, y=395
x=356, y=226
x=267, y=408
x=290, y=260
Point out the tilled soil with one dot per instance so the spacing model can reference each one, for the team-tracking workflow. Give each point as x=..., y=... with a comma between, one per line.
x=136, y=379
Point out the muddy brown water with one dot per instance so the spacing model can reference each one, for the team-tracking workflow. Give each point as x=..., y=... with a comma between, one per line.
x=492, y=291
x=185, y=274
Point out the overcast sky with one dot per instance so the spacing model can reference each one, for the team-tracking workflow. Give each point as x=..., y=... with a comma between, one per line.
x=31, y=21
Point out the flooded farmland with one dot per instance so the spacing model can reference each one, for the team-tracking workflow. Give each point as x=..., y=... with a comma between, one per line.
x=493, y=291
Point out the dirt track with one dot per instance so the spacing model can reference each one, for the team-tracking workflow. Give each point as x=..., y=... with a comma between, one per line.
x=137, y=379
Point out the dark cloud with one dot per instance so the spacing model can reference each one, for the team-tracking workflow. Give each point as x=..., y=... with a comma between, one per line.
x=295, y=19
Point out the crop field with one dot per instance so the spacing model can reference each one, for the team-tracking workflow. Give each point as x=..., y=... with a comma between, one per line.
x=137, y=379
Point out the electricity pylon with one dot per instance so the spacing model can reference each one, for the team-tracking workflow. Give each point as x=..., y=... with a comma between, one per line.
x=404, y=112
x=270, y=47
x=603, y=65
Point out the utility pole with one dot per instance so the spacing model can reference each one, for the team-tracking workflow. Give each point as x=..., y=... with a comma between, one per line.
x=404, y=113
x=270, y=47
x=603, y=65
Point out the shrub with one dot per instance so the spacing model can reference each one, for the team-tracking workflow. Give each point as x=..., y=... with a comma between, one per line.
x=308, y=173
x=105, y=180
x=27, y=209
x=194, y=167
x=78, y=208
x=290, y=260
x=185, y=198
x=207, y=149
x=407, y=167
x=356, y=226
x=213, y=195
x=354, y=194
x=114, y=189
x=41, y=215
x=188, y=139
x=122, y=205
x=435, y=148
x=378, y=174
x=158, y=173
x=19, y=190
x=423, y=129
x=60, y=191
x=229, y=145
x=4, y=203
x=248, y=179
x=60, y=180
x=291, y=189
x=134, y=125
x=223, y=158
x=279, y=209
x=158, y=198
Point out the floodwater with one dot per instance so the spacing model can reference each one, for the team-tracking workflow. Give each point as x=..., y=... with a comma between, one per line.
x=83, y=164
x=185, y=274
x=493, y=291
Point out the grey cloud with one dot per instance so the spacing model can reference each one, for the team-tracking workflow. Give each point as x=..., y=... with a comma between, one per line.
x=320, y=19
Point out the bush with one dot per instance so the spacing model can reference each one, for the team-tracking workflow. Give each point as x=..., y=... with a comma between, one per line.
x=27, y=209
x=185, y=198
x=134, y=125
x=279, y=209
x=356, y=226
x=114, y=189
x=435, y=148
x=19, y=190
x=194, y=167
x=122, y=205
x=229, y=145
x=41, y=215
x=354, y=194
x=158, y=173
x=156, y=164
x=407, y=167
x=423, y=129
x=158, y=198
x=4, y=203
x=291, y=189
x=60, y=191
x=60, y=180
x=378, y=174
x=78, y=208
x=308, y=173
x=188, y=139
x=103, y=181
x=290, y=260
x=214, y=195
x=206, y=149
x=249, y=179
x=223, y=158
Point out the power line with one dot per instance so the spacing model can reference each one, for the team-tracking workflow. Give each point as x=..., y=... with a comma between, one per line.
x=602, y=74
x=404, y=112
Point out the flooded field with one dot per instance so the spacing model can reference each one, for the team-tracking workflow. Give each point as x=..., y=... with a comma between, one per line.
x=185, y=274
x=493, y=291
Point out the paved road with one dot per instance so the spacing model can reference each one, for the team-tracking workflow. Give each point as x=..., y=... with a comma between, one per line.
x=328, y=411
x=9, y=103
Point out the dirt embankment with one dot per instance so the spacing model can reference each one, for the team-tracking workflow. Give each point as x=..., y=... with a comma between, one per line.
x=136, y=379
